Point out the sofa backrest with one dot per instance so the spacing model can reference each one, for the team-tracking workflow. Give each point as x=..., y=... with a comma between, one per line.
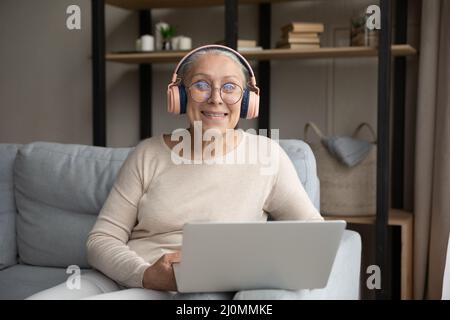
x=8, y=252
x=304, y=162
x=60, y=188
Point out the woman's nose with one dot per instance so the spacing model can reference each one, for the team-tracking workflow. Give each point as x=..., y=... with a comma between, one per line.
x=215, y=96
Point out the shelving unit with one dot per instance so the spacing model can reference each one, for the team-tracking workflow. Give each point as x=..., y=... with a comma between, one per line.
x=399, y=50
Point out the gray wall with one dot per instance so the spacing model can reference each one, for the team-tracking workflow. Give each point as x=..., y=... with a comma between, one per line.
x=44, y=74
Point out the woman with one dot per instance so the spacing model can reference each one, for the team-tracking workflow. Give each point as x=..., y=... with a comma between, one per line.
x=161, y=186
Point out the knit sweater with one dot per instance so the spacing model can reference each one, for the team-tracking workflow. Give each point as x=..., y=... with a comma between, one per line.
x=155, y=194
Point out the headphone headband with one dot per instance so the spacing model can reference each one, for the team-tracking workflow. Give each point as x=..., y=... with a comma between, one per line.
x=218, y=46
x=177, y=96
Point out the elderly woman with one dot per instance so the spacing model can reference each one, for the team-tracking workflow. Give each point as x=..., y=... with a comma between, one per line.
x=138, y=233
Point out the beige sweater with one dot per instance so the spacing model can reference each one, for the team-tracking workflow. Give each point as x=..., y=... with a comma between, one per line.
x=153, y=197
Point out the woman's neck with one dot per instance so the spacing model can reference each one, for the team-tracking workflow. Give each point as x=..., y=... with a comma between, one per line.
x=225, y=141
x=201, y=148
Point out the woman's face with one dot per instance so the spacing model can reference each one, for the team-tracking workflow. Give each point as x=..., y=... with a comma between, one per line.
x=216, y=70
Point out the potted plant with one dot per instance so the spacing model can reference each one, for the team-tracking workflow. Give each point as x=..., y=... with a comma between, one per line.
x=167, y=33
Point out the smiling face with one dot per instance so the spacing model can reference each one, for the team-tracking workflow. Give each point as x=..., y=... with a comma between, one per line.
x=216, y=71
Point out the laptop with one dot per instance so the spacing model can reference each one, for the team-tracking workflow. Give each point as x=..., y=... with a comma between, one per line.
x=234, y=256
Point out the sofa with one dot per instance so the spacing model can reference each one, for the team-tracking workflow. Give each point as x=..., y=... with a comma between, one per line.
x=51, y=193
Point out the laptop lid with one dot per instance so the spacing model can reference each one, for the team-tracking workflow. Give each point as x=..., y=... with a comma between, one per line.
x=234, y=256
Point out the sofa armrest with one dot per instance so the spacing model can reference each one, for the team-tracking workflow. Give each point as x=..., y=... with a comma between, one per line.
x=343, y=283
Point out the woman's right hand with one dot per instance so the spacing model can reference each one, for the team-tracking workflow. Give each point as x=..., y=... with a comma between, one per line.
x=160, y=275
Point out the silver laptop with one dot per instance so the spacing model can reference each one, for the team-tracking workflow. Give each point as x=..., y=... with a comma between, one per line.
x=293, y=255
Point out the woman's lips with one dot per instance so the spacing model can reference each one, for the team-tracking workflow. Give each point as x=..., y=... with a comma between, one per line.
x=214, y=115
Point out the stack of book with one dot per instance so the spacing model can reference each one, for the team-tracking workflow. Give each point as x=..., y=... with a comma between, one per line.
x=244, y=45
x=300, y=35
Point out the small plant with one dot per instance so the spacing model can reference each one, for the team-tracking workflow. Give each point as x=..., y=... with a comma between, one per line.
x=167, y=32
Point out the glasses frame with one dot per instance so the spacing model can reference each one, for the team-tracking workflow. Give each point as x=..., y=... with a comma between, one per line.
x=212, y=90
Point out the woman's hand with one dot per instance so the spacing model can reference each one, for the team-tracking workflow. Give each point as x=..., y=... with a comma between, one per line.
x=160, y=275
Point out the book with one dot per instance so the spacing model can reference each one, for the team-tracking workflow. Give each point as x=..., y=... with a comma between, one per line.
x=294, y=35
x=298, y=46
x=249, y=48
x=241, y=43
x=303, y=27
x=300, y=40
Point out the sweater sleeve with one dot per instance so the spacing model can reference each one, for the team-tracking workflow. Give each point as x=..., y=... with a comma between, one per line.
x=107, y=249
x=288, y=199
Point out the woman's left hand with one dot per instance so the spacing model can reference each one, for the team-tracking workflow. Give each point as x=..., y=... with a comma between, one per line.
x=160, y=275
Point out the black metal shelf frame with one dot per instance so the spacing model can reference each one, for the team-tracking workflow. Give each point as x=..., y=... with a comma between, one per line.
x=231, y=36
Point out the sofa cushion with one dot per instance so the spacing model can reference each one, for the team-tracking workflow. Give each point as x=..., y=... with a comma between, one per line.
x=21, y=281
x=8, y=250
x=304, y=162
x=59, y=190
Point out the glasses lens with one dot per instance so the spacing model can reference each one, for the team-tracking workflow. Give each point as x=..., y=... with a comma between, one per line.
x=201, y=91
x=230, y=93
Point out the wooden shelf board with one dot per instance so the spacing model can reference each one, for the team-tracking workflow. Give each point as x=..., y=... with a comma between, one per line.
x=268, y=54
x=396, y=218
x=149, y=4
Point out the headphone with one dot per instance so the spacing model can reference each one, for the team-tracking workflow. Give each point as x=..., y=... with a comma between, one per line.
x=177, y=95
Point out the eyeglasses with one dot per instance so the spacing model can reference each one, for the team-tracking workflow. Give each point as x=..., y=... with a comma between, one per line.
x=201, y=91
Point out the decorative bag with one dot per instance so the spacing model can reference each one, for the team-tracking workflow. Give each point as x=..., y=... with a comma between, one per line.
x=347, y=172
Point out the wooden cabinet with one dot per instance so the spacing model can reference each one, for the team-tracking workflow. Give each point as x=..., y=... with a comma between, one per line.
x=404, y=220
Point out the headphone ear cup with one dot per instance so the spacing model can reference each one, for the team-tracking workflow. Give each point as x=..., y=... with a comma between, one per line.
x=173, y=99
x=244, y=104
x=253, y=105
x=183, y=98
x=176, y=99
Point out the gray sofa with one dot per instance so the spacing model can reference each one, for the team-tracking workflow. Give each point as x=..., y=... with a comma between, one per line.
x=50, y=195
